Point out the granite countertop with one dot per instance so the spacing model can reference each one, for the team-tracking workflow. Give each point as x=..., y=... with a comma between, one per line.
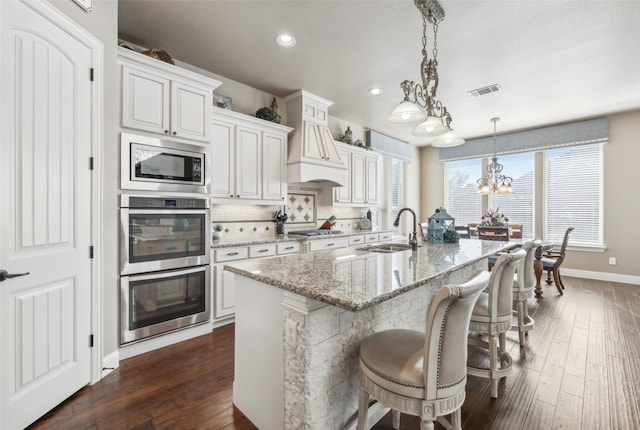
x=355, y=280
x=224, y=243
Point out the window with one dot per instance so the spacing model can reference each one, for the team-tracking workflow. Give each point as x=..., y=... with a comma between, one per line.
x=518, y=207
x=463, y=203
x=397, y=191
x=379, y=213
x=573, y=194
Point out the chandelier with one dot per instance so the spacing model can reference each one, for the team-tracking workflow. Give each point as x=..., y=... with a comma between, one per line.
x=494, y=182
x=420, y=105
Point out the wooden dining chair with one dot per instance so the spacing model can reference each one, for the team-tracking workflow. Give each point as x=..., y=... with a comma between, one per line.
x=552, y=260
x=463, y=231
x=473, y=228
x=493, y=233
x=515, y=231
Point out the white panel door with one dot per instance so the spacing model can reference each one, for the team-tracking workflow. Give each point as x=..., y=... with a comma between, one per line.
x=224, y=293
x=372, y=180
x=223, y=159
x=145, y=101
x=343, y=194
x=45, y=218
x=248, y=166
x=274, y=183
x=191, y=112
x=358, y=166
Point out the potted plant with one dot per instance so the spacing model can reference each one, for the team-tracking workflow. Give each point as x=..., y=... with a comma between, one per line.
x=450, y=236
x=269, y=113
x=217, y=231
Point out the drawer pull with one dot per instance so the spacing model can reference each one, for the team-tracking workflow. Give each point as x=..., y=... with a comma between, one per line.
x=289, y=247
x=170, y=248
x=330, y=244
x=264, y=250
x=230, y=254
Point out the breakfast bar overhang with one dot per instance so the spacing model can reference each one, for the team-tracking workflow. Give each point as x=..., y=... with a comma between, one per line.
x=300, y=320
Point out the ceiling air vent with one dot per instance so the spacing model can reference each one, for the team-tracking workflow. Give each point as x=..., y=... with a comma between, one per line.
x=485, y=90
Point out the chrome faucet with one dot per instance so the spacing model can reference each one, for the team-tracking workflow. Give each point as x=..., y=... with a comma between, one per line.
x=413, y=237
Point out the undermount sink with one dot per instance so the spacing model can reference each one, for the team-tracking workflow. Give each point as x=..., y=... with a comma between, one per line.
x=386, y=247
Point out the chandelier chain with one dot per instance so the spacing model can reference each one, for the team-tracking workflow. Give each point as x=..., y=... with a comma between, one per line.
x=424, y=35
x=435, y=41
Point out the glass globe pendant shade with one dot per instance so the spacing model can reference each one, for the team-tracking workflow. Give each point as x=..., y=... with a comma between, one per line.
x=407, y=113
x=450, y=138
x=432, y=127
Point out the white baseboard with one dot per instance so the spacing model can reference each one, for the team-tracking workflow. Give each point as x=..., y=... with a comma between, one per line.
x=222, y=323
x=136, y=348
x=110, y=363
x=601, y=276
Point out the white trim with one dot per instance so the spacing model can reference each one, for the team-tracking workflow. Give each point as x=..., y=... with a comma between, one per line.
x=602, y=276
x=110, y=363
x=166, y=339
x=72, y=28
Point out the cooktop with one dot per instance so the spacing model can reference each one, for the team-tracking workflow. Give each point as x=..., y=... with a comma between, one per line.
x=317, y=232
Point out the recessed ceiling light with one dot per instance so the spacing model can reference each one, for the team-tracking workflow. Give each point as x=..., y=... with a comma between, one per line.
x=285, y=40
x=375, y=91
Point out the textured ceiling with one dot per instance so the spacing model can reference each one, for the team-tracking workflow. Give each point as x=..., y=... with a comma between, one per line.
x=556, y=61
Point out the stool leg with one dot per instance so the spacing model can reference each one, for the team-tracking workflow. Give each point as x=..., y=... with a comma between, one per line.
x=521, y=321
x=493, y=365
x=456, y=419
x=395, y=419
x=426, y=425
x=363, y=409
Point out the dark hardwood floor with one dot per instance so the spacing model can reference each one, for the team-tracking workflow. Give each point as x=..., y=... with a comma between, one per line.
x=580, y=370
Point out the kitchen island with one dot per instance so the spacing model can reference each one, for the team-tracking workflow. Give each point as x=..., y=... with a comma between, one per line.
x=300, y=319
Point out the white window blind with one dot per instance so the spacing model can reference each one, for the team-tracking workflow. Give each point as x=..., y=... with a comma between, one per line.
x=397, y=191
x=463, y=203
x=378, y=218
x=573, y=194
x=518, y=207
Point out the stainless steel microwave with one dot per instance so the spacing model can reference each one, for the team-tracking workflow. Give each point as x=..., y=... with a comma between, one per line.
x=154, y=164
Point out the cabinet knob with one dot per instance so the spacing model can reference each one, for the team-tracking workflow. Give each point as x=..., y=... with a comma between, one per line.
x=166, y=132
x=175, y=132
x=238, y=196
x=230, y=195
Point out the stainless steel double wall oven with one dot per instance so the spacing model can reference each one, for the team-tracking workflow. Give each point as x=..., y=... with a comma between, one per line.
x=165, y=240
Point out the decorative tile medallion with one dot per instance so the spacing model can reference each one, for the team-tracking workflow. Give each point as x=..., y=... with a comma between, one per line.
x=301, y=208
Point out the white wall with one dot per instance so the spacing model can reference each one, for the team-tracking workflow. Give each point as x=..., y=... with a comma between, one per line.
x=621, y=200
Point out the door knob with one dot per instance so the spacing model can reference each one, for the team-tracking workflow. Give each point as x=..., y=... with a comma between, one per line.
x=6, y=275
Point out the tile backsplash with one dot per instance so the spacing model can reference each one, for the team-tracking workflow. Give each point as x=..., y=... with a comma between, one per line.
x=256, y=221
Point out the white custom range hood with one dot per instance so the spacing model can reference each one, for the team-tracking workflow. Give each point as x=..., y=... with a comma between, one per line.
x=313, y=156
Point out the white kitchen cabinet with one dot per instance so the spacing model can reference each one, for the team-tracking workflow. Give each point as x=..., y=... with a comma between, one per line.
x=248, y=159
x=362, y=185
x=385, y=236
x=274, y=159
x=371, y=237
x=343, y=194
x=327, y=244
x=371, y=180
x=165, y=99
x=248, y=167
x=357, y=173
x=224, y=287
